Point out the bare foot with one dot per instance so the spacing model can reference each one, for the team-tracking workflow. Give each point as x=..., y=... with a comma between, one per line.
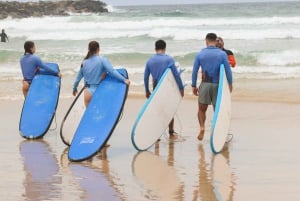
x=201, y=134
x=173, y=136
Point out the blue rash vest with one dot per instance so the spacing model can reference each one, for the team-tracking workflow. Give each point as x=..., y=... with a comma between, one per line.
x=30, y=64
x=91, y=70
x=210, y=59
x=156, y=66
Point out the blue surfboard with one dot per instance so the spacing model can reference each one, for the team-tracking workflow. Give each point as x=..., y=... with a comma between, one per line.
x=99, y=119
x=40, y=104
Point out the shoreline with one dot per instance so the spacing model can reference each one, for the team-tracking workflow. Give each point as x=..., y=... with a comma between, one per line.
x=273, y=91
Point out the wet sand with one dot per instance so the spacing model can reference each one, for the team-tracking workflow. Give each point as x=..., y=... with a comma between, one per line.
x=260, y=163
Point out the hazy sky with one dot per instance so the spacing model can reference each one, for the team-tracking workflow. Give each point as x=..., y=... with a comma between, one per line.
x=151, y=2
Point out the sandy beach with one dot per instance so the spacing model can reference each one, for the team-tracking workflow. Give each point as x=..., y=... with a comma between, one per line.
x=259, y=163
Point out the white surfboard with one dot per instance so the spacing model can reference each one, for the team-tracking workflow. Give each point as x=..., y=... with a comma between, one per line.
x=72, y=118
x=156, y=113
x=222, y=114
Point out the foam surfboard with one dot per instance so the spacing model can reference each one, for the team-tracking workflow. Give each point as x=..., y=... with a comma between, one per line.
x=156, y=113
x=222, y=114
x=99, y=119
x=160, y=180
x=40, y=104
x=72, y=118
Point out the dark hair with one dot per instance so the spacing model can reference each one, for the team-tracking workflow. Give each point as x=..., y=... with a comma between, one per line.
x=160, y=45
x=211, y=37
x=93, y=47
x=27, y=47
x=220, y=39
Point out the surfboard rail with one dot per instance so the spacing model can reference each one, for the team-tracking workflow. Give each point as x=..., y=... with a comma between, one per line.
x=221, y=116
x=61, y=131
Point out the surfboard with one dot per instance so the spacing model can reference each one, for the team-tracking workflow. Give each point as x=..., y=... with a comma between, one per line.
x=40, y=104
x=160, y=180
x=99, y=119
x=222, y=114
x=72, y=118
x=156, y=113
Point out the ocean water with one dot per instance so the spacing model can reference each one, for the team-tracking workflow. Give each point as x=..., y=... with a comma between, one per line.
x=265, y=38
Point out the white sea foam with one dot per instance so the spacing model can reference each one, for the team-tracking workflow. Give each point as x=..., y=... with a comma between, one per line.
x=181, y=28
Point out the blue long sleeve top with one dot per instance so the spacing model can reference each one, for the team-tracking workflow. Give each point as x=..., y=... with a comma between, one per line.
x=30, y=64
x=91, y=71
x=210, y=59
x=156, y=66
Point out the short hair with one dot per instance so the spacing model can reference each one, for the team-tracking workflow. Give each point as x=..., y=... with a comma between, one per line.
x=211, y=37
x=160, y=45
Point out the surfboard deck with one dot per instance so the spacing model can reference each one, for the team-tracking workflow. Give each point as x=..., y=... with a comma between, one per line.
x=72, y=118
x=40, y=104
x=222, y=114
x=99, y=119
x=161, y=106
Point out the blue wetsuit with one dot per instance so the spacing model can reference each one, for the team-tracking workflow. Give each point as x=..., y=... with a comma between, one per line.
x=156, y=66
x=92, y=69
x=30, y=64
x=210, y=59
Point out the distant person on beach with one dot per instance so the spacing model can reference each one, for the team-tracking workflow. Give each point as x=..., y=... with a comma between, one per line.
x=4, y=36
x=30, y=65
x=210, y=59
x=230, y=55
x=93, y=69
x=156, y=66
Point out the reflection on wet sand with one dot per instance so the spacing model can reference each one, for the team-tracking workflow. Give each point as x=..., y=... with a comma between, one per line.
x=41, y=169
x=223, y=178
x=93, y=178
x=159, y=179
x=217, y=182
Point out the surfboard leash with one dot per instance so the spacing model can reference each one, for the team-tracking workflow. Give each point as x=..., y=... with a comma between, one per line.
x=52, y=129
x=229, y=137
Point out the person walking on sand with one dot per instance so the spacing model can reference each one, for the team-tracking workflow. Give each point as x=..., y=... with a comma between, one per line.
x=230, y=55
x=4, y=36
x=30, y=65
x=93, y=69
x=156, y=66
x=210, y=59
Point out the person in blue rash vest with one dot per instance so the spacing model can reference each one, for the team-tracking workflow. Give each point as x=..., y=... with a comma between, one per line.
x=30, y=65
x=210, y=59
x=93, y=69
x=156, y=66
